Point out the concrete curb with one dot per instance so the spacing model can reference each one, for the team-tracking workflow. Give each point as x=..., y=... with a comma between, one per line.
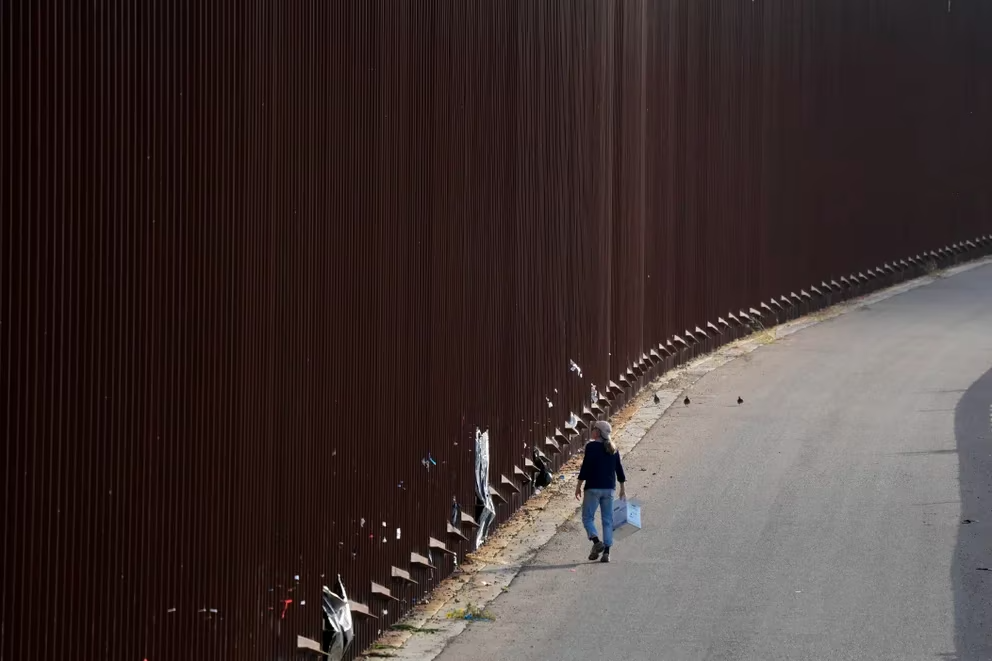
x=427, y=630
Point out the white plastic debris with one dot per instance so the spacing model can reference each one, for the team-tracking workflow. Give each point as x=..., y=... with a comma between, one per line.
x=573, y=367
x=486, y=512
x=337, y=622
x=398, y=533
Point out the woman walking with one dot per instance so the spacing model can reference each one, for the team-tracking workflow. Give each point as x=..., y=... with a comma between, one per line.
x=601, y=469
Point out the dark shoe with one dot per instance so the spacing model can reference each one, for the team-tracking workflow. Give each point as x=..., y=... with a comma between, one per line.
x=597, y=548
x=606, y=555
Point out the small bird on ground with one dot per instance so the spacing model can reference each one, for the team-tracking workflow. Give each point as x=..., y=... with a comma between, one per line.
x=657, y=400
x=740, y=400
x=686, y=401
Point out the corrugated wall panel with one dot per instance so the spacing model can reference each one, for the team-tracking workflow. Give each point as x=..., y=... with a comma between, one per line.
x=265, y=267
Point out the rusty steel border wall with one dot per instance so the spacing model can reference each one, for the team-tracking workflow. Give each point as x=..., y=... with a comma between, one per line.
x=266, y=267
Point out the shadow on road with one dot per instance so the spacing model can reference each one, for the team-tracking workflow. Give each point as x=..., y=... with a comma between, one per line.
x=972, y=586
x=571, y=565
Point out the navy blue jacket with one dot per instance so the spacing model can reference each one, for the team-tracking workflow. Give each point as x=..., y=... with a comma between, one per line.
x=600, y=469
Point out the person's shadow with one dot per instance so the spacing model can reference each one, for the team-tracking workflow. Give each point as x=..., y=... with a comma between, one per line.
x=530, y=568
x=571, y=565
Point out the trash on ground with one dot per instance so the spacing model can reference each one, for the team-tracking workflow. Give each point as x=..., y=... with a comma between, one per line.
x=543, y=476
x=471, y=612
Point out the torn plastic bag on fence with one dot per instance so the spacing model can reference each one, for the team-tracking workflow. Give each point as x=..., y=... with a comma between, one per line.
x=543, y=476
x=456, y=514
x=338, y=627
x=485, y=511
x=573, y=422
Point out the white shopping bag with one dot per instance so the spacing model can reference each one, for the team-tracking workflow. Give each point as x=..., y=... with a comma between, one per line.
x=626, y=518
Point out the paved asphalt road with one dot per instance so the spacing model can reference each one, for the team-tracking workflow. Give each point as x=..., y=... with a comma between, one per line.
x=823, y=519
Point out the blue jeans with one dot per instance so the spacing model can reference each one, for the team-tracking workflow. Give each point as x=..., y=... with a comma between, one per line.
x=601, y=499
